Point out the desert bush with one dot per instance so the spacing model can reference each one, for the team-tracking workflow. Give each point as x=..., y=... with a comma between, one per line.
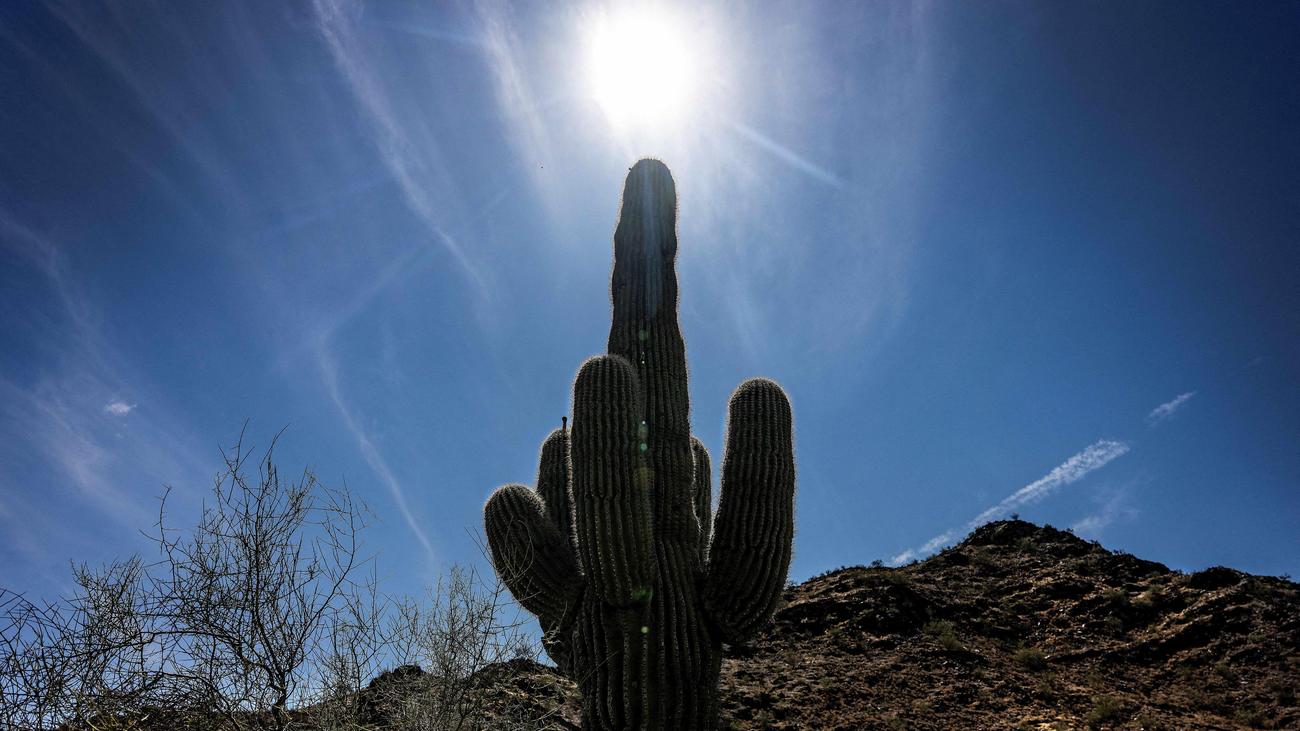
x=262, y=616
x=258, y=589
x=32, y=689
x=1250, y=717
x=1047, y=686
x=1148, y=722
x=1104, y=708
x=464, y=626
x=438, y=648
x=897, y=578
x=1031, y=658
x=224, y=624
x=1225, y=670
x=943, y=631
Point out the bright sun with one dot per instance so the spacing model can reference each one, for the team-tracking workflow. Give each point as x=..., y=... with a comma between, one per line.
x=641, y=69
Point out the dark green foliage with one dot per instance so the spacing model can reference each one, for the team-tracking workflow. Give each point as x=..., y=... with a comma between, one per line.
x=635, y=582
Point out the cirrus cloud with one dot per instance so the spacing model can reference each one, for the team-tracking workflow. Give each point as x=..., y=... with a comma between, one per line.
x=1077, y=467
x=119, y=408
x=1167, y=409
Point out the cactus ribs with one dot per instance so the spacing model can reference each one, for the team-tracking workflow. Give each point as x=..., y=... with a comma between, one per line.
x=635, y=584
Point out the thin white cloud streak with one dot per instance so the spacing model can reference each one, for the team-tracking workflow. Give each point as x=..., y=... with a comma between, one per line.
x=395, y=147
x=114, y=40
x=376, y=461
x=1115, y=509
x=514, y=93
x=437, y=34
x=866, y=162
x=785, y=154
x=518, y=76
x=27, y=531
x=1070, y=471
x=46, y=257
x=1167, y=409
x=318, y=332
x=62, y=422
x=400, y=266
x=51, y=422
x=41, y=416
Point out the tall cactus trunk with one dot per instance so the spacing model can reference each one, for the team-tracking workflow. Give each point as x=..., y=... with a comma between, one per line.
x=613, y=551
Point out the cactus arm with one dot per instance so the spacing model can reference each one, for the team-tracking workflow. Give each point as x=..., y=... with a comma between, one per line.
x=531, y=555
x=636, y=581
x=754, y=526
x=553, y=483
x=703, y=490
x=611, y=485
x=644, y=331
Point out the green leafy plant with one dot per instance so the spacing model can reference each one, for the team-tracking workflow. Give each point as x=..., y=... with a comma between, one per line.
x=635, y=585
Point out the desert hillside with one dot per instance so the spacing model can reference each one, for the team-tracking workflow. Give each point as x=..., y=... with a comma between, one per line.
x=1017, y=627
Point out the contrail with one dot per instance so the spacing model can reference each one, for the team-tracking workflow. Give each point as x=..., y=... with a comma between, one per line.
x=1071, y=470
x=785, y=154
x=373, y=458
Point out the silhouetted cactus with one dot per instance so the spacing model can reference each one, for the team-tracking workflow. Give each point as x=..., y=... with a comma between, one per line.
x=612, y=551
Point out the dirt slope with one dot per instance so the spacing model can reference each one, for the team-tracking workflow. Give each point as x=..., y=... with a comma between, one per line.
x=1018, y=627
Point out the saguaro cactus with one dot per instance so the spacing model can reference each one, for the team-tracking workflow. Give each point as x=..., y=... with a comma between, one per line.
x=612, y=551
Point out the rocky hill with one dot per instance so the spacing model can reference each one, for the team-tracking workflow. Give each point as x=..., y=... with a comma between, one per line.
x=1017, y=627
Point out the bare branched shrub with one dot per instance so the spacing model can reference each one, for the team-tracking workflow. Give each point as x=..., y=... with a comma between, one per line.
x=356, y=651
x=87, y=659
x=31, y=667
x=261, y=616
x=464, y=626
x=114, y=662
x=444, y=652
x=257, y=588
x=226, y=623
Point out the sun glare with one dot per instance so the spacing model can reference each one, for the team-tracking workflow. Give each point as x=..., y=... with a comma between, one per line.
x=641, y=68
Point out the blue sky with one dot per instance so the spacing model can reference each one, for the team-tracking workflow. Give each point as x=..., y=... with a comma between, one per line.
x=1015, y=257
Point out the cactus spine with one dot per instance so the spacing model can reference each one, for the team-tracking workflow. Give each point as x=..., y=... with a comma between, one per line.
x=612, y=551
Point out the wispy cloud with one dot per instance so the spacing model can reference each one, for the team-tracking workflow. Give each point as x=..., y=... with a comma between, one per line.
x=870, y=191
x=376, y=461
x=786, y=155
x=403, y=158
x=514, y=92
x=61, y=432
x=119, y=408
x=114, y=36
x=1115, y=508
x=38, y=251
x=1070, y=471
x=1167, y=409
x=52, y=431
